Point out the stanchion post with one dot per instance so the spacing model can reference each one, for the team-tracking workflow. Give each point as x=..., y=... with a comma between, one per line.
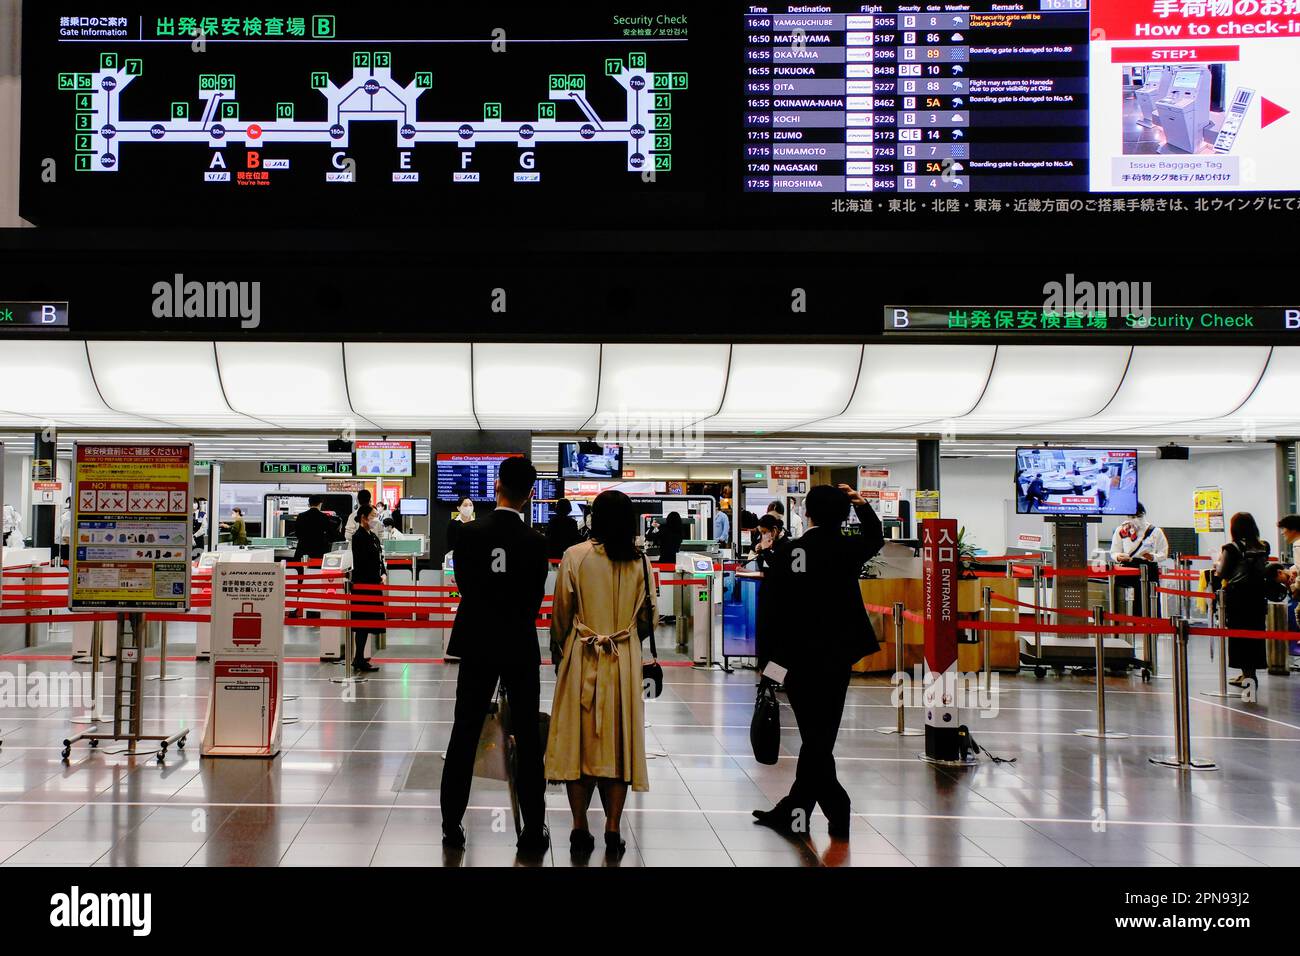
x=1098, y=620
x=92, y=715
x=1182, y=758
x=1223, y=691
x=162, y=659
x=900, y=669
x=1038, y=611
x=986, y=639
x=1150, y=642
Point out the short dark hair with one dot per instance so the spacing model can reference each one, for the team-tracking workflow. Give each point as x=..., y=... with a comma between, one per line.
x=776, y=506
x=238, y=511
x=613, y=524
x=517, y=477
x=463, y=499
x=770, y=522
x=315, y=500
x=1289, y=523
x=364, y=512
x=363, y=496
x=562, y=507
x=826, y=505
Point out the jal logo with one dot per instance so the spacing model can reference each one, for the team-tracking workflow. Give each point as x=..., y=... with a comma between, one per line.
x=75, y=909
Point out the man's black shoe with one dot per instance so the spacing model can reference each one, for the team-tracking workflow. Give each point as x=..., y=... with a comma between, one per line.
x=534, y=839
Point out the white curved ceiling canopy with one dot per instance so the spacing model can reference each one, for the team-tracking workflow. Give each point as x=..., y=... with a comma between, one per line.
x=900, y=389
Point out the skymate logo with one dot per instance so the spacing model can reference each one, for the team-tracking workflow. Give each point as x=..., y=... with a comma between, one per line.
x=179, y=299
x=75, y=909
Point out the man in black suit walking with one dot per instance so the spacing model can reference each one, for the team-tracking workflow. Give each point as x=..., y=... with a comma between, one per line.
x=501, y=573
x=316, y=532
x=819, y=628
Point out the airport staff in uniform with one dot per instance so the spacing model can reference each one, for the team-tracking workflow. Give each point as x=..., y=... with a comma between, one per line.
x=1136, y=542
x=501, y=573
x=316, y=532
x=820, y=628
x=463, y=516
x=367, y=568
x=238, y=529
x=722, y=524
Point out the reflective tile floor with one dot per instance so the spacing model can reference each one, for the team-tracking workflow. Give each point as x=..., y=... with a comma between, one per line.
x=356, y=782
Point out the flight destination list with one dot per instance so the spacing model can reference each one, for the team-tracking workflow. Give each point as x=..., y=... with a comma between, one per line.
x=917, y=98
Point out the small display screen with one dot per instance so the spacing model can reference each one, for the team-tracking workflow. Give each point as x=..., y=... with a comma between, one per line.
x=548, y=488
x=468, y=475
x=582, y=459
x=415, y=507
x=1076, y=481
x=384, y=459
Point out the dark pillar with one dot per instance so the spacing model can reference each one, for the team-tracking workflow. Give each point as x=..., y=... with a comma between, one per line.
x=44, y=468
x=927, y=464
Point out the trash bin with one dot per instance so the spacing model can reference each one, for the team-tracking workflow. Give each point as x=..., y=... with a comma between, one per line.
x=1277, y=652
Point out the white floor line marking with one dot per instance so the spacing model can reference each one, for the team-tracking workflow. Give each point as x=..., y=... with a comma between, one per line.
x=1004, y=818
x=1244, y=713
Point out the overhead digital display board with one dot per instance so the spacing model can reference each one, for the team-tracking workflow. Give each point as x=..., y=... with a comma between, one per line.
x=348, y=105
x=683, y=113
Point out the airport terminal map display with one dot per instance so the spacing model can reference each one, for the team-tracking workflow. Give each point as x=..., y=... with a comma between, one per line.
x=413, y=104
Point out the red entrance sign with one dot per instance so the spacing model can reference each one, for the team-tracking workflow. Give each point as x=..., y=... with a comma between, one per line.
x=939, y=585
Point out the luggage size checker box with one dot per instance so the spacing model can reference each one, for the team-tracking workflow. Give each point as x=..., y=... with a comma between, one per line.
x=246, y=627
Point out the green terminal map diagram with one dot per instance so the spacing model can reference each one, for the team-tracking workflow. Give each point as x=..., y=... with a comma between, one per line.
x=372, y=94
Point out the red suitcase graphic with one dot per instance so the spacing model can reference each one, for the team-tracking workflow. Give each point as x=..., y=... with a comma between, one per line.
x=247, y=629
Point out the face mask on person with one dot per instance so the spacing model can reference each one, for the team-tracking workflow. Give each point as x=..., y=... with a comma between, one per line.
x=466, y=511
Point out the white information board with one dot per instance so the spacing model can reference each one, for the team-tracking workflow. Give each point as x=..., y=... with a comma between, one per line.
x=247, y=661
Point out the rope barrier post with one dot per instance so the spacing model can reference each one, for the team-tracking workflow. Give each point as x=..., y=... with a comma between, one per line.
x=1275, y=652
x=986, y=639
x=1038, y=611
x=162, y=658
x=1182, y=759
x=900, y=670
x=1098, y=618
x=1223, y=691
x=349, y=645
x=92, y=715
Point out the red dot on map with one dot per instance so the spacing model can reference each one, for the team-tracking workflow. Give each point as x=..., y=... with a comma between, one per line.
x=254, y=131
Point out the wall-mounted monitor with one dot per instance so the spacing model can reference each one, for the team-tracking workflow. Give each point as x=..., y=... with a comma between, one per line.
x=586, y=459
x=1076, y=481
x=383, y=459
x=548, y=487
x=468, y=475
x=415, y=507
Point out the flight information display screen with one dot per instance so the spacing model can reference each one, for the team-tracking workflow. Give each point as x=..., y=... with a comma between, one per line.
x=468, y=475
x=362, y=107
x=1037, y=97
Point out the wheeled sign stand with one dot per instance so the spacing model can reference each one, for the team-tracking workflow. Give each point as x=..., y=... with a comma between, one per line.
x=128, y=697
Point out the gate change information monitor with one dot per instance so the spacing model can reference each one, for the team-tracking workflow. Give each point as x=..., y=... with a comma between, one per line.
x=1076, y=481
x=466, y=475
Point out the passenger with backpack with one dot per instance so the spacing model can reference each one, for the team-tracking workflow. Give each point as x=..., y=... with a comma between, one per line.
x=1240, y=580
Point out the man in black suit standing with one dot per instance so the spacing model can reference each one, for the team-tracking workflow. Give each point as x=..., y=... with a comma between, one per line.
x=501, y=573
x=316, y=532
x=820, y=628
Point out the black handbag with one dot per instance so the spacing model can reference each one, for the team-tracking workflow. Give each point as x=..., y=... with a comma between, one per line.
x=652, y=674
x=765, y=728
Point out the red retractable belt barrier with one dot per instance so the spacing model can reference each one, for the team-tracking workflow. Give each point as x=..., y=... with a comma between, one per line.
x=1148, y=625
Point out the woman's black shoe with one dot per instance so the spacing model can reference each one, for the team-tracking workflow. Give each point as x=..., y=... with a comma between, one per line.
x=776, y=819
x=581, y=841
x=366, y=668
x=614, y=844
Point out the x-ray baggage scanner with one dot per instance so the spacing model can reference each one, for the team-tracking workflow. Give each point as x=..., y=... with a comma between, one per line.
x=1185, y=110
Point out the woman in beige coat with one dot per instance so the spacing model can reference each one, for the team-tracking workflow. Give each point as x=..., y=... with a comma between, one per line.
x=604, y=602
